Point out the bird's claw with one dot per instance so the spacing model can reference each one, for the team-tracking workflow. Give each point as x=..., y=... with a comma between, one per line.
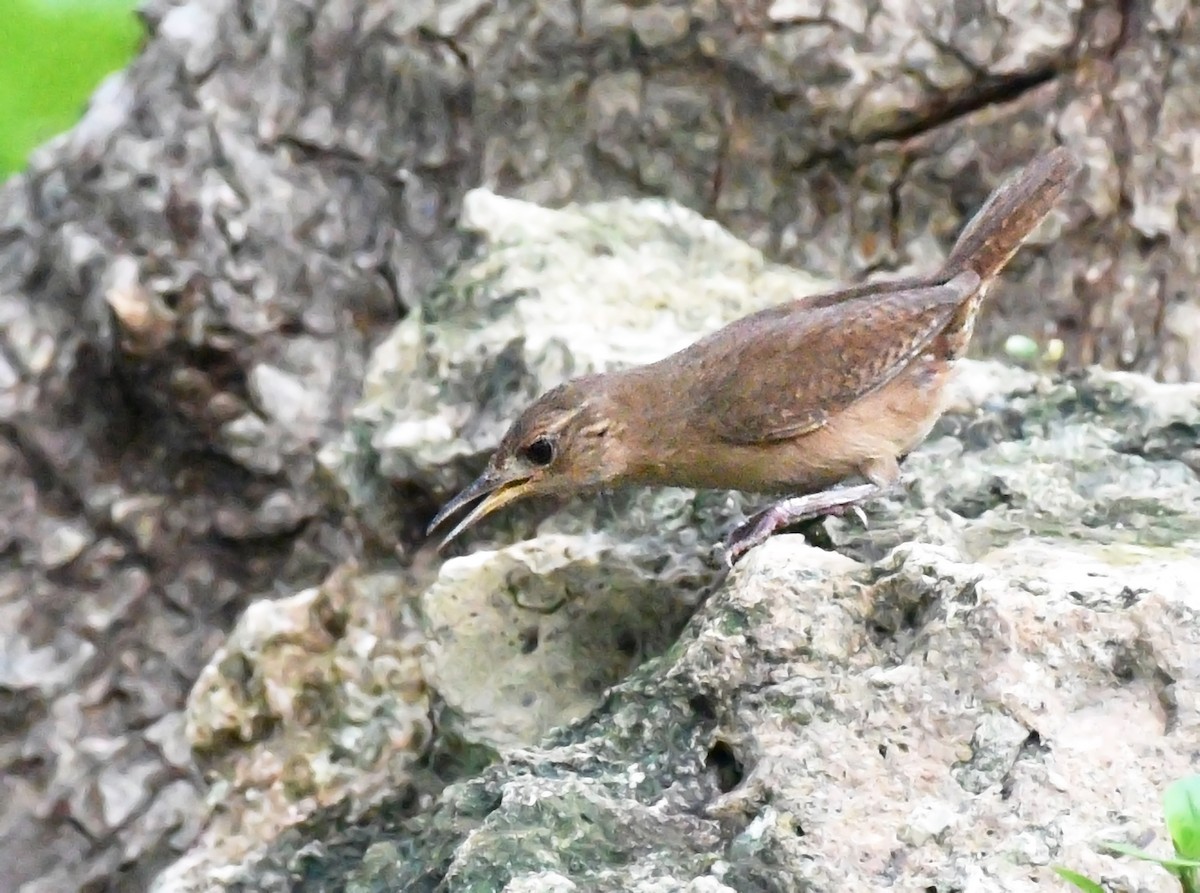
x=757, y=529
x=754, y=531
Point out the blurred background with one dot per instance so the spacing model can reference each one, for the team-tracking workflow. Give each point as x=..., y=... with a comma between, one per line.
x=53, y=54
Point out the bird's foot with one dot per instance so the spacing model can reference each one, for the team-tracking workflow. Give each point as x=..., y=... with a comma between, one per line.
x=758, y=528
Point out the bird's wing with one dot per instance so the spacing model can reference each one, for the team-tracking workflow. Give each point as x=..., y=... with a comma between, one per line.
x=785, y=371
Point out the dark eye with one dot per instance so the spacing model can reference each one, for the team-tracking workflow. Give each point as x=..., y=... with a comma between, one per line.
x=540, y=451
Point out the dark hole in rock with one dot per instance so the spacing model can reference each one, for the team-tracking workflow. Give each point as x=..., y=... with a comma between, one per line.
x=723, y=763
x=627, y=643
x=913, y=616
x=702, y=707
x=291, y=328
x=529, y=639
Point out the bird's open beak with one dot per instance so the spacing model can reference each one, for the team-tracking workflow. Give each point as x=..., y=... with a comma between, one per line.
x=496, y=491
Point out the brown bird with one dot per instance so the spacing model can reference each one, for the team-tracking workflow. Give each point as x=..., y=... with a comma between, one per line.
x=794, y=399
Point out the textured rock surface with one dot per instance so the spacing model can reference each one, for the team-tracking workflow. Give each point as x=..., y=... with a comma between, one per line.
x=187, y=298
x=313, y=700
x=997, y=671
x=1014, y=680
x=191, y=283
x=529, y=638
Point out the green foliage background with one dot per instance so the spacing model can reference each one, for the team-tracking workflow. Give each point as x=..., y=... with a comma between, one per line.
x=53, y=54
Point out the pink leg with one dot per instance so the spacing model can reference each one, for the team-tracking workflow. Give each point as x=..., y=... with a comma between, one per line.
x=759, y=527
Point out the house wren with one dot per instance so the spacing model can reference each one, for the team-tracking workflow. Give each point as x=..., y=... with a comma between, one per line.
x=794, y=399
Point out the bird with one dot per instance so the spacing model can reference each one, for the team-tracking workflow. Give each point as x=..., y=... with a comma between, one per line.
x=818, y=399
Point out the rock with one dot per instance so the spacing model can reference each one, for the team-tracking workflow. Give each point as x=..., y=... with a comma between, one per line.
x=934, y=719
x=997, y=671
x=529, y=637
x=314, y=699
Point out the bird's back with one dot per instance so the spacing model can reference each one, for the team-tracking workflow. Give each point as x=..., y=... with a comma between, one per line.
x=804, y=393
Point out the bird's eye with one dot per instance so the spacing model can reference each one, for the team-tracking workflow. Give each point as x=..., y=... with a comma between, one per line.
x=540, y=451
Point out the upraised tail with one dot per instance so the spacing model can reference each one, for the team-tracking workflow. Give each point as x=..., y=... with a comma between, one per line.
x=1010, y=215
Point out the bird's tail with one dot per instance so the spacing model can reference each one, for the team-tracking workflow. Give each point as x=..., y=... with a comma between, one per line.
x=1010, y=214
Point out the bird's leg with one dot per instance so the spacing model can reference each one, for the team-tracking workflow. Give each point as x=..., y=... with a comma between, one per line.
x=882, y=476
x=758, y=528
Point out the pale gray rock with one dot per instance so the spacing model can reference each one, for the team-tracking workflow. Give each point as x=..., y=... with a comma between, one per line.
x=531, y=636
x=313, y=700
x=996, y=672
x=945, y=717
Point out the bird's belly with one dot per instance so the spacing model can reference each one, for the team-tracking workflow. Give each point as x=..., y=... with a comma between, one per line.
x=898, y=416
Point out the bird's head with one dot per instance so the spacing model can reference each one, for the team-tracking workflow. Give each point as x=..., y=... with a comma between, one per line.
x=561, y=444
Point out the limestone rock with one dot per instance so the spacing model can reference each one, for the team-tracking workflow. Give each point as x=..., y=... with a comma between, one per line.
x=315, y=699
x=999, y=669
x=952, y=717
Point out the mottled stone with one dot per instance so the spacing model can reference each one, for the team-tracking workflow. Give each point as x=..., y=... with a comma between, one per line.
x=531, y=636
x=943, y=717
x=313, y=700
x=996, y=671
